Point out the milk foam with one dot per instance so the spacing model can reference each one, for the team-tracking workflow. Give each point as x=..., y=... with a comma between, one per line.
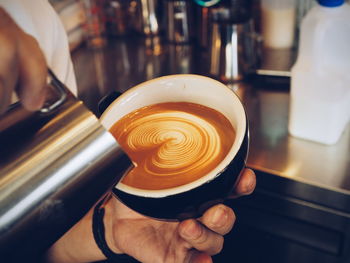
x=184, y=142
x=172, y=143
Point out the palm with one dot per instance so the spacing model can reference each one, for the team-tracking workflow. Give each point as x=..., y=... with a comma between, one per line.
x=153, y=240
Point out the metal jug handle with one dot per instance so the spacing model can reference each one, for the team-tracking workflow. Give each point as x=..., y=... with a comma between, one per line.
x=60, y=88
x=16, y=114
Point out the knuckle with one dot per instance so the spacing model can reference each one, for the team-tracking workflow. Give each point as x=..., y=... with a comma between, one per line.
x=8, y=47
x=32, y=52
x=202, y=238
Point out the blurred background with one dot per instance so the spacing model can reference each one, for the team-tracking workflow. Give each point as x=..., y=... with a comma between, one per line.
x=300, y=211
x=269, y=41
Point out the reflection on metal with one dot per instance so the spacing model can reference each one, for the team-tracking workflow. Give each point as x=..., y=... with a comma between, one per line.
x=180, y=59
x=242, y=89
x=178, y=17
x=231, y=50
x=147, y=16
x=276, y=62
x=117, y=17
x=153, y=45
x=53, y=168
x=202, y=30
x=100, y=69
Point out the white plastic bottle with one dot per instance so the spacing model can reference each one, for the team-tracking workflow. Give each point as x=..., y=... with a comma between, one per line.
x=320, y=78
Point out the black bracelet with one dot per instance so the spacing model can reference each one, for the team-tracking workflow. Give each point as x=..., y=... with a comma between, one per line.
x=98, y=230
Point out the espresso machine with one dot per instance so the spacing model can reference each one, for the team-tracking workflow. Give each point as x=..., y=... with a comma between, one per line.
x=55, y=164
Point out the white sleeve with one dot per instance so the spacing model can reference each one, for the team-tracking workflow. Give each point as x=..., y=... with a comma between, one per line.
x=61, y=62
x=39, y=19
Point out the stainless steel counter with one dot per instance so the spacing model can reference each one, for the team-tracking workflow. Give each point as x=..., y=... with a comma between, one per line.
x=276, y=152
x=125, y=62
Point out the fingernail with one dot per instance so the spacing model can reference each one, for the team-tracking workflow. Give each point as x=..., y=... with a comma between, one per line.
x=191, y=231
x=219, y=217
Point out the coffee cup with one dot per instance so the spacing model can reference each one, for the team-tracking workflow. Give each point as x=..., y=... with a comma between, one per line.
x=192, y=197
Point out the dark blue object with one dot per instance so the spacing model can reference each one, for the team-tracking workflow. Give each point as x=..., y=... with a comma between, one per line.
x=331, y=3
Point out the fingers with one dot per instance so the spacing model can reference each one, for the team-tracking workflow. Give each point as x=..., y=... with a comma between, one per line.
x=246, y=183
x=7, y=82
x=32, y=74
x=216, y=221
x=8, y=63
x=198, y=257
x=22, y=66
x=201, y=238
x=219, y=219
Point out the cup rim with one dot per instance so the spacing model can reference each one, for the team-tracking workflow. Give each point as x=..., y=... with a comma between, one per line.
x=209, y=176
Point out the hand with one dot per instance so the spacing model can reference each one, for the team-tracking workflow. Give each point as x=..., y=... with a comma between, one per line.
x=149, y=240
x=153, y=241
x=22, y=66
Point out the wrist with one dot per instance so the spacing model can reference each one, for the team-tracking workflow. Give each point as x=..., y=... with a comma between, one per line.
x=110, y=225
x=104, y=219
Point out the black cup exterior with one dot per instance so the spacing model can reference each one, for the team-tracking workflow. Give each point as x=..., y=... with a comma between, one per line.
x=193, y=203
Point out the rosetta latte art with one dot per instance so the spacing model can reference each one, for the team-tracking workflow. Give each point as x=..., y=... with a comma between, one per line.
x=171, y=145
x=184, y=142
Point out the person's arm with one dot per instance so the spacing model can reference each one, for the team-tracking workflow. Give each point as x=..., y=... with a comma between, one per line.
x=77, y=245
x=149, y=240
x=22, y=66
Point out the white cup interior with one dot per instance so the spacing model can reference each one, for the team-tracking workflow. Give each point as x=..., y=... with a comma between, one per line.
x=181, y=88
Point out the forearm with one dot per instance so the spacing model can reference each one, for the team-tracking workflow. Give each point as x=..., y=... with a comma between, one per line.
x=77, y=245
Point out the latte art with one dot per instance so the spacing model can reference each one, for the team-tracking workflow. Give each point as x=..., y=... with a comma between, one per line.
x=181, y=141
x=172, y=144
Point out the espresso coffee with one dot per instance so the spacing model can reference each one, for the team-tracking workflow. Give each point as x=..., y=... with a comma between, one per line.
x=173, y=143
